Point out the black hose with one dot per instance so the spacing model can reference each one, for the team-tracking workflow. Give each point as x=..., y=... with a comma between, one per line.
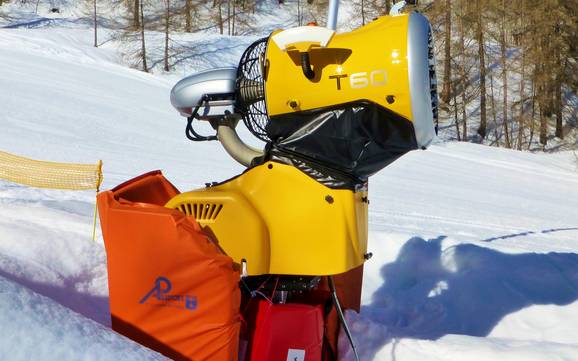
x=306, y=66
x=190, y=132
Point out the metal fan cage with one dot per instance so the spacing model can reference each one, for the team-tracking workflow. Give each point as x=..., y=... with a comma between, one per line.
x=251, y=89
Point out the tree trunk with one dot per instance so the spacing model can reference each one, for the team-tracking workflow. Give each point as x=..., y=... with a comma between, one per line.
x=387, y=6
x=464, y=78
x=143, y=42
x=445, y=94
x=522, y=84
x=299, y=12
x=95, y=23
x=137, y=15
x=188, y=20
x=504, y=75
x=558, y=109
x=464, y=119
x=481, y=54
x=558, y=96
x=543, y=129
x=545, y=112
x=496, y=134
x=167, y=22
x=221, y=17
x=532, y=125
x=233, y=19
x=362, y=12
x=545, y=102
x=522, y=102
x=456, y=117
x=229, y=17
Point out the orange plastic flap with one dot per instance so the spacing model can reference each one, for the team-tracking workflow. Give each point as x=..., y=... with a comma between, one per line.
x=171, y=288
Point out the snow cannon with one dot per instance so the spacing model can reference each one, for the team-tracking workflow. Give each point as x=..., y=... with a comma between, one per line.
x=286, y=240
x=332, y=109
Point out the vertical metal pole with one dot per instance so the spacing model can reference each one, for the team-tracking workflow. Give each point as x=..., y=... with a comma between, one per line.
x=98, y=183
x=332, y=14
x=341, y=316
x=94, y=221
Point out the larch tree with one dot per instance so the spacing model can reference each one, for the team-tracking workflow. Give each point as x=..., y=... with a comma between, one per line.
x=167, y=27
x=522, y=102
x=482, y=67
x=137, y=14
x=95, y=24
x=464, y=78
x=218, y=5
x=504, y=65
x=188, y=16
x=143, y=40
x=446, y=90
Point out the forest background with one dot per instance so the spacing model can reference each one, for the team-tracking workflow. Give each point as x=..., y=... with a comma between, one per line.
x=507, y=70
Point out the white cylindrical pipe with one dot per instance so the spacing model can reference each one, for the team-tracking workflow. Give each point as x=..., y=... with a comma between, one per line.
x=236, y=148
x=332, y=14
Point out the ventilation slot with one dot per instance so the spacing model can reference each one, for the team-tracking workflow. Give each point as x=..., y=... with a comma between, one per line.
x=201, y=211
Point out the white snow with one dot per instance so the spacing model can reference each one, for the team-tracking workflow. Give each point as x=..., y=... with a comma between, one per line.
x=475, y=248
x=35, y=327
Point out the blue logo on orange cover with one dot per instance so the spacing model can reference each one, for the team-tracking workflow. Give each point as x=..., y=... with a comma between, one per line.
x=159, y=296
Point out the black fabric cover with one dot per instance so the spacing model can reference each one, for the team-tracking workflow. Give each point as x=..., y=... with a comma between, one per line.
x=340, y=147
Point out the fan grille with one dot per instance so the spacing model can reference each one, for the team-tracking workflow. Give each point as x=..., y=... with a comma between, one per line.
x=251, y=89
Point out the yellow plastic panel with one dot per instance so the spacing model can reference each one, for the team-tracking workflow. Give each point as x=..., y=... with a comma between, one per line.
x=283, y=222
x=369, y=63
x=218, y=212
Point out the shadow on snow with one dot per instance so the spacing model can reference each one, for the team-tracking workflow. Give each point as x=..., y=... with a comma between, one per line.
x=465, y=290
x=90, y=306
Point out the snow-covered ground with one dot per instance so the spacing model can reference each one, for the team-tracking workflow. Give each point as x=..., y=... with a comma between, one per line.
x=477, y=241
x=475, y=248
x=37, y=328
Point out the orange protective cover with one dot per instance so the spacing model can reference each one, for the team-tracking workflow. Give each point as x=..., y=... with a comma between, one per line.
x=171, y=288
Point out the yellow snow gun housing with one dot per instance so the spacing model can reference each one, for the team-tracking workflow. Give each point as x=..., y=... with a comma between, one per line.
x=332, y=109
x=385, y=67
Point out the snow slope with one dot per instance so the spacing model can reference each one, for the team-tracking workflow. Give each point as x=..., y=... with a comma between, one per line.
x=475, y=248
x=35, y=327
x=475, y=241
